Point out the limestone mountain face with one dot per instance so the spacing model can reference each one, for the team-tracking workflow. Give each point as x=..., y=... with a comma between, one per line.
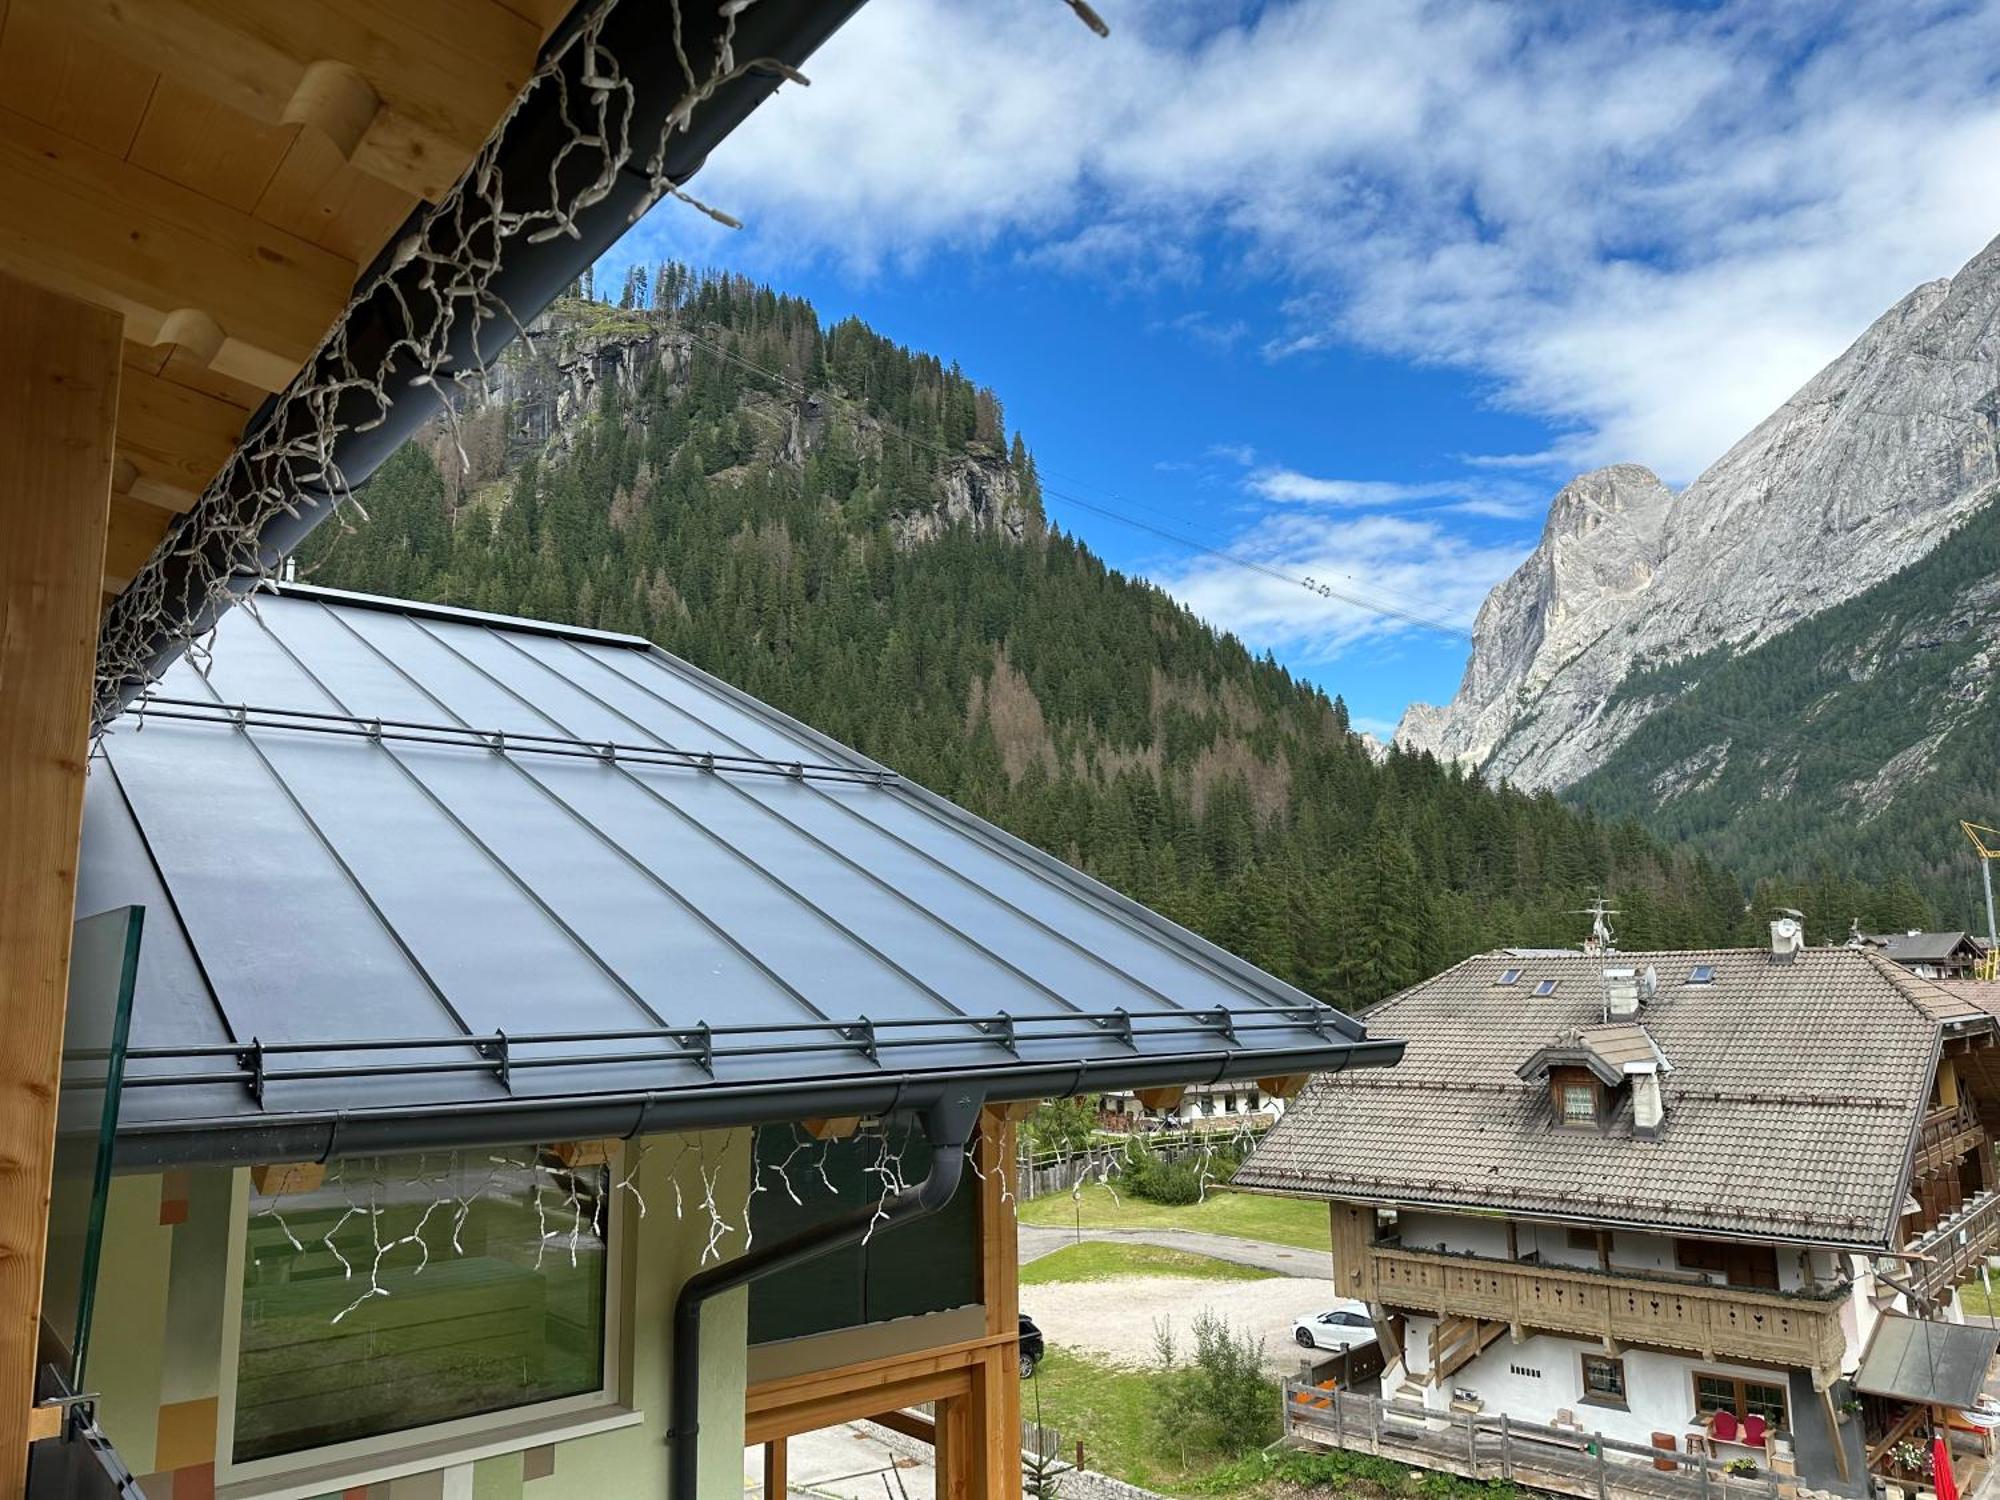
x=1859, y=475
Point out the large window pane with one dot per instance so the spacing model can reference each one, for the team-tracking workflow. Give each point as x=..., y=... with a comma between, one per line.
x=409, y=1291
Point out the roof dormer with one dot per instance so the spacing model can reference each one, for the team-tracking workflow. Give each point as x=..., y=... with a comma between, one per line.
x=1585, y=1068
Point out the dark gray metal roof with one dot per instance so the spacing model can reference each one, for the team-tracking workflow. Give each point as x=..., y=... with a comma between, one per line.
x=1927, y=1361
x=372, y=836
x=1923, y=947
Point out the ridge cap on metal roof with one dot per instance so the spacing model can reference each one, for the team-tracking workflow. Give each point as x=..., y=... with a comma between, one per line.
x=388, y=604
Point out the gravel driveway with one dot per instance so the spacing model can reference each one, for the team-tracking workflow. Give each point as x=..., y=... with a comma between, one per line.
x=1114, y=1319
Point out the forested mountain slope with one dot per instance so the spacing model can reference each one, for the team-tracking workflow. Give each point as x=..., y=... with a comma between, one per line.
x=1851, y=744
x=853, y=538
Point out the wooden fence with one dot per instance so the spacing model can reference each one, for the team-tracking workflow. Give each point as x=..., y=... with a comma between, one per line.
x=1497, y=1447
x=1036, y=1176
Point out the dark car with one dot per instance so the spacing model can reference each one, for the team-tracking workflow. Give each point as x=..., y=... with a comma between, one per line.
x=1031, y=1346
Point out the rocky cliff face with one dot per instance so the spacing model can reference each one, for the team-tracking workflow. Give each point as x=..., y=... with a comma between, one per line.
x=1855, y=478
x=541, y=396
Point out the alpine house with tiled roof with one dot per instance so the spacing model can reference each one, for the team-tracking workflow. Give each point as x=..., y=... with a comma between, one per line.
x=1654, y=1193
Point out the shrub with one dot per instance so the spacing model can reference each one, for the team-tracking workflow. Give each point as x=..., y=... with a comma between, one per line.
x=1219, y=1402
x=1149, y=1175
x=1060, y=1127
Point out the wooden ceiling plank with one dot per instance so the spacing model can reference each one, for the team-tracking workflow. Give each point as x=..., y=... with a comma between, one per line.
x=443, y=71
x=203, y=144
x=173, y=438
x=546, y=15
x=88, y=224
x=316, y=195
x=52, y=72
x=136, y=529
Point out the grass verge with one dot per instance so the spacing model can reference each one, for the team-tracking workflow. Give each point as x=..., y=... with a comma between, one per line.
x=1104, y=1407
x=1293, y=1222
x=1102, y=1260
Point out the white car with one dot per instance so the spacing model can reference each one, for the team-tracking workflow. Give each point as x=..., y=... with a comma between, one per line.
x=1345, y=1326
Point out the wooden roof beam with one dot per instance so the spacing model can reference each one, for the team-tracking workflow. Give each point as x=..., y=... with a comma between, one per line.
x=407, y=92
x=172, y=439
x=180, y=267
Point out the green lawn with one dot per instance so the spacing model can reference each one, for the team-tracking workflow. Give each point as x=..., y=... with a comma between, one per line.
x=1104, y=1407
x=1279, y=1221
x=1100, y=1260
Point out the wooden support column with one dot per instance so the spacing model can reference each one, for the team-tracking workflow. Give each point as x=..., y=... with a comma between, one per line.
x=777, y=1470
x=59, y=364
x=994, y=1412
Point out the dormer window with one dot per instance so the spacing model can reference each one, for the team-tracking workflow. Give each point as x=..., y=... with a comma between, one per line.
x=1545, y=988
x=1509, y=976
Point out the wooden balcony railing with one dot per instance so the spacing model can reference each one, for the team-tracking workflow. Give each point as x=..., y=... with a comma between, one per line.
x=1953, y=1261
x=1946, y=1135
x=1716, y=1322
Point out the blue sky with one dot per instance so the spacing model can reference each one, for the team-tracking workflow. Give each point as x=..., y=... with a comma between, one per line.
x=1352, y=286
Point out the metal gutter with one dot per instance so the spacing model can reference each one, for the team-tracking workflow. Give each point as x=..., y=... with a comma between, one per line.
x=320, y=1134
x=534, y=150
x=948, y=1127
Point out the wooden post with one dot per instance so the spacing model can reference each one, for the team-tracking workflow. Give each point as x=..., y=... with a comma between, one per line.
x=1704, y=1471
x=1603, y=1486
x=777, y=1470
x=955, y=1461
x=1472, y=1444
x=1506, y=1450
x=1339, y=1421
x=58, y=418
x=993, y=1425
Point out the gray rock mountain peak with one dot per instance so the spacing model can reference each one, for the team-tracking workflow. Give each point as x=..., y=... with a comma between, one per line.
x=1857, y=476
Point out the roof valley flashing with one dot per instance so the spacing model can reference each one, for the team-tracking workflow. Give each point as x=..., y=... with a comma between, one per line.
x=1745, y=1099
x=419, y=878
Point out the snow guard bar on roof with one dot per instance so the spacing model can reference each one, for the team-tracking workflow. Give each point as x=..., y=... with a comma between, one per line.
x=266, y=1134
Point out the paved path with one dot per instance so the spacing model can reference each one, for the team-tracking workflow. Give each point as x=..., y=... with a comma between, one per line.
x=843, y=1463
x=1038, y=1240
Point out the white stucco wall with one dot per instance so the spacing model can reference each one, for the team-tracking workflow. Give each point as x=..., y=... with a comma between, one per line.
x=1543, y=1375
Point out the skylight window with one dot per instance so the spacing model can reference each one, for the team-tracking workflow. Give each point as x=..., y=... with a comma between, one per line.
x=1509, y=976
x=1702, y=974
x=1545, y=987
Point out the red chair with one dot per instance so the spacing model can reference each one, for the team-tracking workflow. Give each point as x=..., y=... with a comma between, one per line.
x=1753, y=1430
x=1722, y=1426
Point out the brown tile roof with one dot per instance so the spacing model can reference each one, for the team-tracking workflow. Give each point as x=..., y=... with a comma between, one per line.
x=1792, y=1100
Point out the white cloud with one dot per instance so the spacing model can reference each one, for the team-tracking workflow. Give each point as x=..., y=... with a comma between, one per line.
x=1648, y=224
x=1290, y=484
x=1416, y=566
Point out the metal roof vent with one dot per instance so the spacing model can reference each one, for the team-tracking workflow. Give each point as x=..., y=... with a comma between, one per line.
x=1788, y=937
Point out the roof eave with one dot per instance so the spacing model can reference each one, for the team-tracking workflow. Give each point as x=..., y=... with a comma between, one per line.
x=317, y=1135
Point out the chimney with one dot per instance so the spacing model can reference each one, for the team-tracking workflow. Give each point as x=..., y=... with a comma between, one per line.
x=1649, y=1104
x=1788, y=938
x=1621, y=994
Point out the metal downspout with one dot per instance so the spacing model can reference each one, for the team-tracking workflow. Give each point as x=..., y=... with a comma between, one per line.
x=948, y=1126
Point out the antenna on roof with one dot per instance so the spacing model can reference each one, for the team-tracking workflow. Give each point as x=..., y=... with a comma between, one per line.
x=1600, y=939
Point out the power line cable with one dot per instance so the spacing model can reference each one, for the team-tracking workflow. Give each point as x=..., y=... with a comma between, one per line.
x=1355, y=597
